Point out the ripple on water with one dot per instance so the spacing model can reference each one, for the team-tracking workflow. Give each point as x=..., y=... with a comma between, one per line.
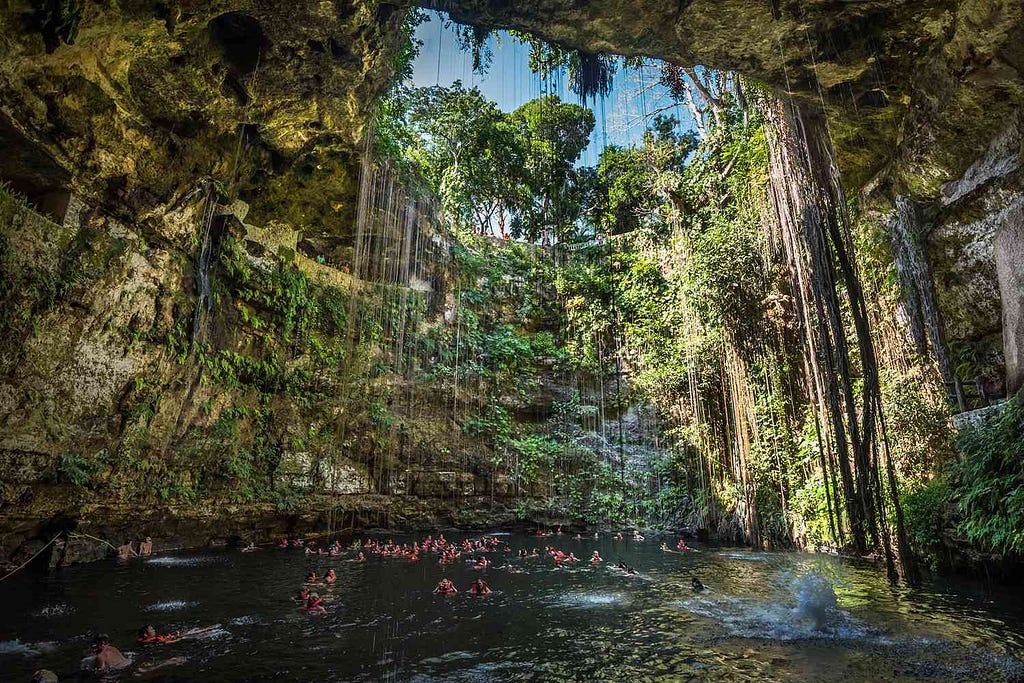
x=170, y=605
x=170, y=561
x=58, y=610
x=456, y=656
x=16, y=647
x=748, y=557
x=587, y=600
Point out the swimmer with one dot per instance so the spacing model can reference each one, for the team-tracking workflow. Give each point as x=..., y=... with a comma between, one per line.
x=148, y=634
x=595, y=536
x=579, y=537
x=682, y=545
x=664, y=547
x=482, y=562
x=480, y=587
x=302, y=594
x=618, y=536
x=330, y=577
x=315, y=605
x=106, y=656
x=696, y=585
x=125, y=550
x=251, y=548
x=637, y=536
x=445, y=587
x=146, y=547
x=311, y=577
x=595, y=558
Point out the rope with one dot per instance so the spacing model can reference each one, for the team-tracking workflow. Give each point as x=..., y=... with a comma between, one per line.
x=79, y=533
x=37, y=554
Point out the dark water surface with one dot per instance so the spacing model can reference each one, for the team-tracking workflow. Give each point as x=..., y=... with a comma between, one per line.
x=755, y=623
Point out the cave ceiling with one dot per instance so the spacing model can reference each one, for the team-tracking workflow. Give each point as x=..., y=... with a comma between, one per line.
x=137, y=101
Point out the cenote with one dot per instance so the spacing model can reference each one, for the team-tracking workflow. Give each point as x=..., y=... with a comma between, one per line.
x=763, y=617
x=748, y=273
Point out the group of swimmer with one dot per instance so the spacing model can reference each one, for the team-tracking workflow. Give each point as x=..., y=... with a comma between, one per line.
x=103, y=656
x=127, y=549
x=447, y=552
x=106, y=657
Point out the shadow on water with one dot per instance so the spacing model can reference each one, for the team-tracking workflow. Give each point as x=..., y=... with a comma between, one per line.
x=764, y=616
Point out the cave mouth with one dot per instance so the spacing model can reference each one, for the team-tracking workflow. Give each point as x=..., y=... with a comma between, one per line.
x=241, y=42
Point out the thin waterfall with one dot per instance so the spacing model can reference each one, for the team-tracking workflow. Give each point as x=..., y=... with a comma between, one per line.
x=204, y=300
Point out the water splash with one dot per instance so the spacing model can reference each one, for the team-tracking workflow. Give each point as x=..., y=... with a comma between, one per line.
x=813, y=613
x=815, y=599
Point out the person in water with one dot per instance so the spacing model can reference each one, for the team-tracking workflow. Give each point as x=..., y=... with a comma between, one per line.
x=44, y=676
x=146, y=547
x=330, y=577
x=148, y=634
x=302, y=595
x=315, y=604
x=682, y=545
x=106, y=656
x=445, y=587
x=664, y=546
x=311, y=577
x=251, y=548
x=126, y=551
x=696, y=585
x=480, y=587
x=595, y=558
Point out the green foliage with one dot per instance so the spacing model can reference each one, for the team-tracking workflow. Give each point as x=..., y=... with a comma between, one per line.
x=30, y=289
x=988, y=483
x=511, y=173
x=925, y=511
x=78, y=470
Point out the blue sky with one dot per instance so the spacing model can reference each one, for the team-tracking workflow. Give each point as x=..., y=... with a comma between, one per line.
x=509, y=82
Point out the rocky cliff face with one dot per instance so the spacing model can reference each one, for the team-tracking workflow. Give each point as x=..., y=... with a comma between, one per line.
x=129, y=104
x=298, y=396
